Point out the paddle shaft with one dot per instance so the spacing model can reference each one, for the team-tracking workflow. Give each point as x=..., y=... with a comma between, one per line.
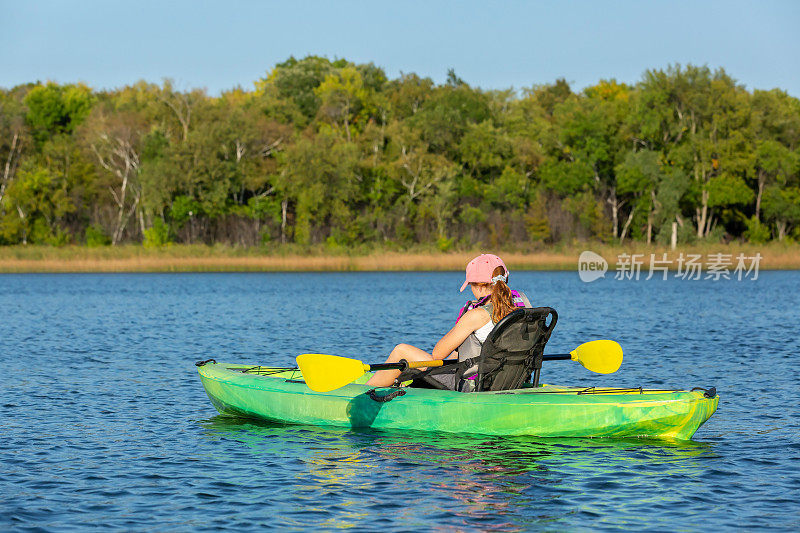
x=548, y=357
x=557, y=357
x=402, y=365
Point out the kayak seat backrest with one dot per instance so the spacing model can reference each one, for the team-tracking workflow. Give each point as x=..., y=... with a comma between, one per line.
x=511, y=353
x=514, y=349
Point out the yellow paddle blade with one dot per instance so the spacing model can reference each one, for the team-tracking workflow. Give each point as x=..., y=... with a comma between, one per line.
x=603, y=357
x=325, y=373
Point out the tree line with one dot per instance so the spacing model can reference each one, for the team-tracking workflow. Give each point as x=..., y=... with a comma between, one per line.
x=334, y=152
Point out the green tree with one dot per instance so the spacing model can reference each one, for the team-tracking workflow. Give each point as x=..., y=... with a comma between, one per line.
x=484, y=150
x=57, y=109
x=776, y=125
x=181, y=106
x=655, y=188
x=407, y=94
x=319, y=178
x=445, y=116
x=341, y=95
x=36, y=203
x=296, y=80
x=548, y=97
x=592, y=131
x=509, y=191
x=417, y=172
x=782, y=207
x=782, y=199
x=14, y=137
x=696, y=118
x=114, y=140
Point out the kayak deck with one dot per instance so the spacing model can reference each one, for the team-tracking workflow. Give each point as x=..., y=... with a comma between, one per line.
x=281, y=395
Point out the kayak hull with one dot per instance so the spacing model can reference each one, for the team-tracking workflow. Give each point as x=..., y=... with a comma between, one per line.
x=547, y=411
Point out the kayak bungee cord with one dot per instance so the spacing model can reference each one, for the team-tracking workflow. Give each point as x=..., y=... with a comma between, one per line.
x=266, y=370
x=257, y=370
x=595, y=390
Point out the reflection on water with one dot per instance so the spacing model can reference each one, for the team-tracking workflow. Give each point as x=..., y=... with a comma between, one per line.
x=502, y=482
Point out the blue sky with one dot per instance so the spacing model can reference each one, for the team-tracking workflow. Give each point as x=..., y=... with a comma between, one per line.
x=494, y=45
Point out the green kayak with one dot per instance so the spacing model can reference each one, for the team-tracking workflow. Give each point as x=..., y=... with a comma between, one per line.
x=281, y=395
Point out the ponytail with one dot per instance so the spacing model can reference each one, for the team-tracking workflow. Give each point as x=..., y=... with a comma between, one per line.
x=501, y=298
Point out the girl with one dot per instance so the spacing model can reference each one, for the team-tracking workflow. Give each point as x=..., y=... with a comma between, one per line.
x=487, y=276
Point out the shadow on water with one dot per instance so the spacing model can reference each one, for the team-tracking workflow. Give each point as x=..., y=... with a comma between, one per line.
x=364, y=408
x=500, y=482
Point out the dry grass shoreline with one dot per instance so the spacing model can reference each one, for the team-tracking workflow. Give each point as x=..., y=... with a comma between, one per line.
x=197, y=258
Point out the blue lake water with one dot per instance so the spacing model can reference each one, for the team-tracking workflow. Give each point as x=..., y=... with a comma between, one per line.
x=104, y=421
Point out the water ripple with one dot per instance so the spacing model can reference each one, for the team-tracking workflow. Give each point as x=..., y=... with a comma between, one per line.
x=105, y=423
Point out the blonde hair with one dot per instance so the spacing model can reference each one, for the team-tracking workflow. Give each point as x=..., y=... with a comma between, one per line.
x=501, y=298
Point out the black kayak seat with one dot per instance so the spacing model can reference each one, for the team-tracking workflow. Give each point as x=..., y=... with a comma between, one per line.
x=511, y=354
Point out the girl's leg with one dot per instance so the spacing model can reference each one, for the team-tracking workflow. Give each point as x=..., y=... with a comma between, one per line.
x=384, y=378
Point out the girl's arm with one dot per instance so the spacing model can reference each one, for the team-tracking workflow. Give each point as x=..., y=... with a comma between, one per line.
x=469, y=322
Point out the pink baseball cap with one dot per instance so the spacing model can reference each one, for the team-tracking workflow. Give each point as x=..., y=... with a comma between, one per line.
x=480, y=269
